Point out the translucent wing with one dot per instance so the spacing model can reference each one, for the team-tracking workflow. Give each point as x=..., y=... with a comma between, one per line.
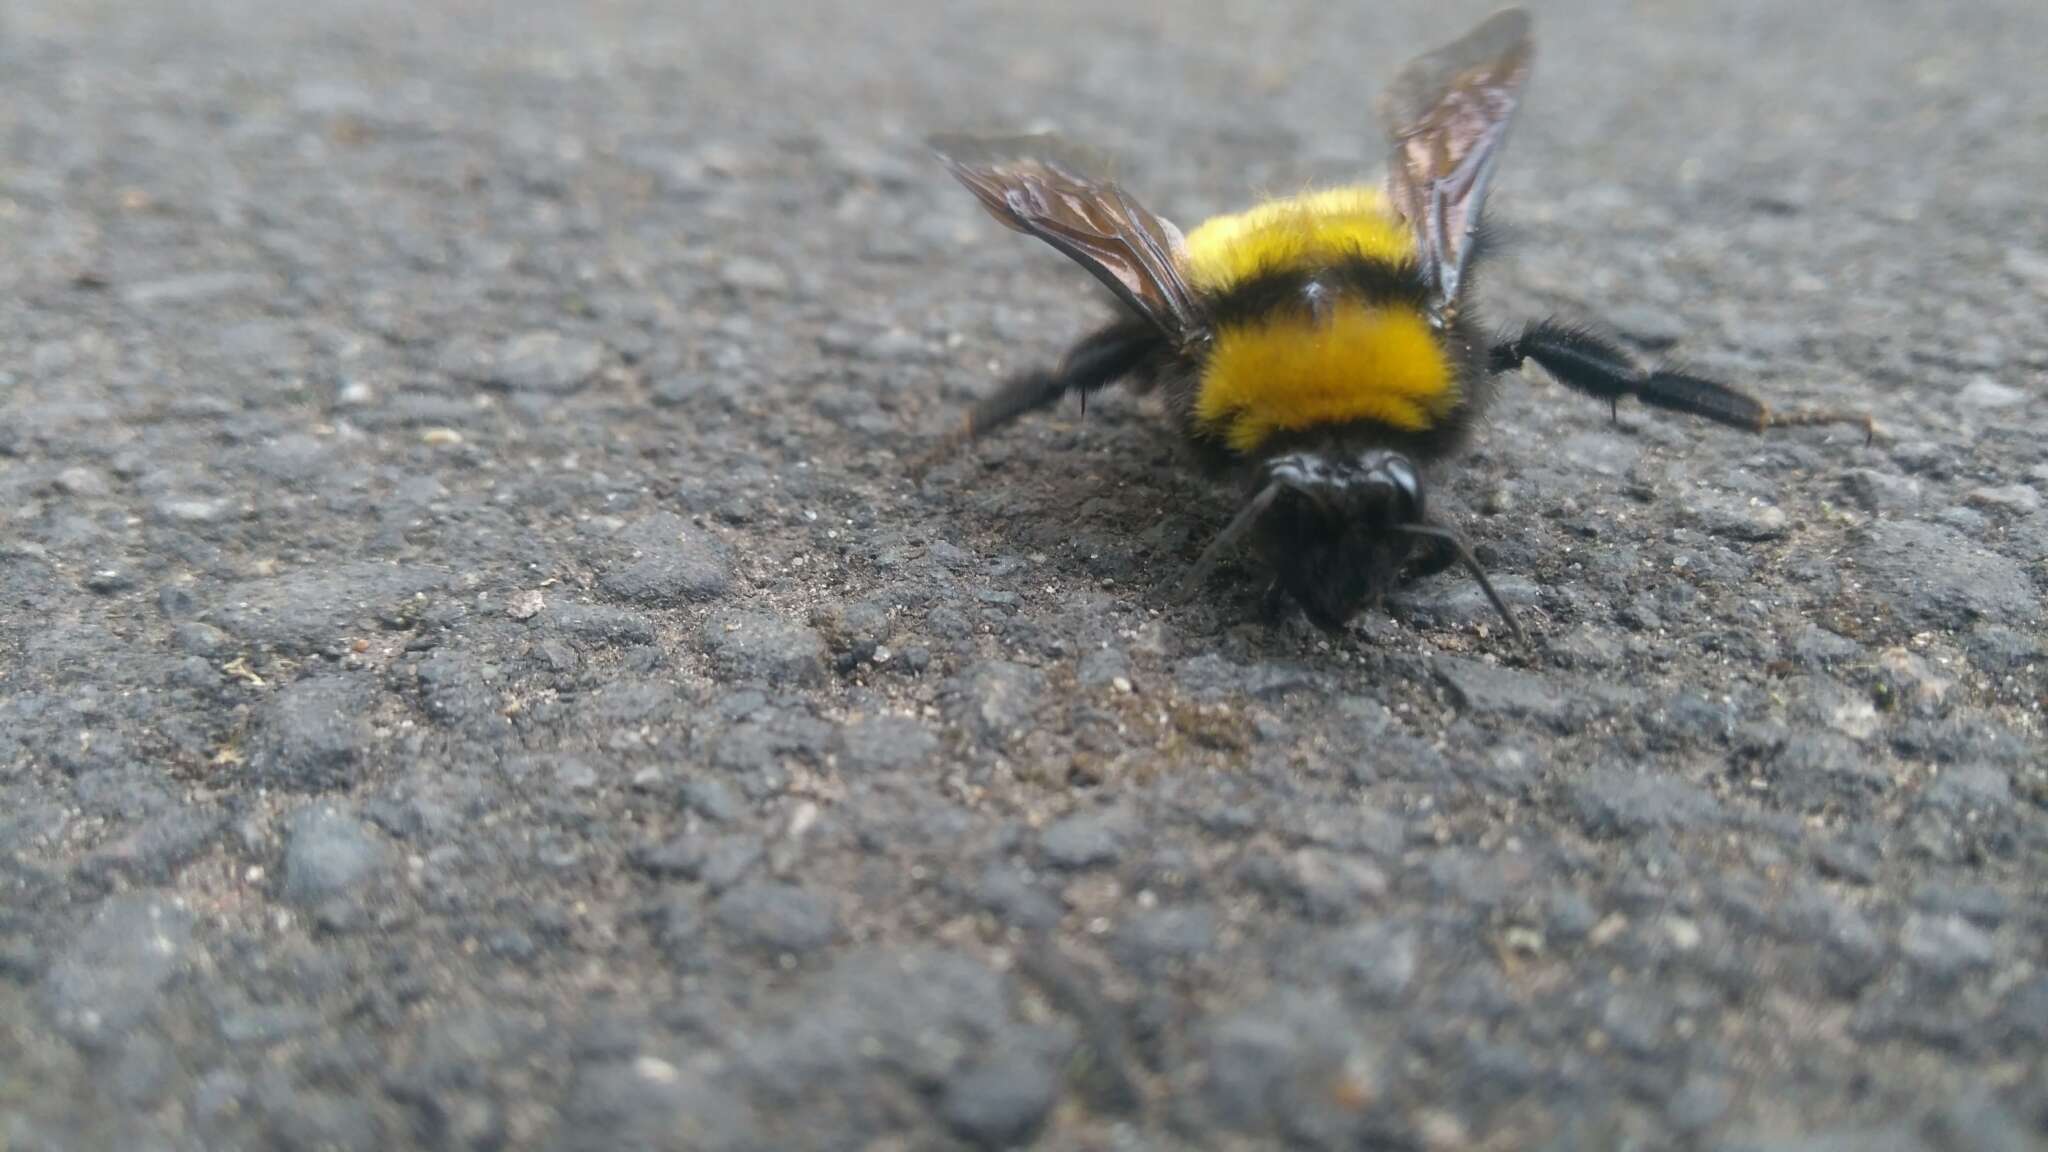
x=1034, y=185
x=1446, y=115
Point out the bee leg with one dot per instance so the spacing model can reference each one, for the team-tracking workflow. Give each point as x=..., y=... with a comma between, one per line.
x=1099, y=360
x=1586, y=363
x=1024, y=392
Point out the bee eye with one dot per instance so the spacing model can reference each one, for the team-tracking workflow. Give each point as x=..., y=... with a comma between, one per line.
x=1405, y=479
x=1297, y=470
x=1398, y=473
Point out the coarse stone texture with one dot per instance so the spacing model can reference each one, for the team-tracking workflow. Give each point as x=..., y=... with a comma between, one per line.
x=479, y=670
x=329, y=855
x=115, y=970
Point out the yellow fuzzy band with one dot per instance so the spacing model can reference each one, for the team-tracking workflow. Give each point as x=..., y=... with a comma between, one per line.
x=1291, y=372
x=1295, y=232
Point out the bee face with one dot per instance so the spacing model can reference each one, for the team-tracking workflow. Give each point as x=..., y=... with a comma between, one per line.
x=1333, y=533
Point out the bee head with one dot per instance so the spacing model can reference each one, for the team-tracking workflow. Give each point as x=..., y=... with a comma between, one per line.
x=1334, y=531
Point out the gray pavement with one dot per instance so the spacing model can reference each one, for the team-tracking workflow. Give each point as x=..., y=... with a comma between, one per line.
x=474, y=673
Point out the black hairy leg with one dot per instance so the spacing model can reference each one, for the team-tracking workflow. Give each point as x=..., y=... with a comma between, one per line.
x=1100, y=359
x=1584, y=362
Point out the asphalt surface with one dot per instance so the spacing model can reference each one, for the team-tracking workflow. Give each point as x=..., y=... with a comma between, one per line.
x=474, y=672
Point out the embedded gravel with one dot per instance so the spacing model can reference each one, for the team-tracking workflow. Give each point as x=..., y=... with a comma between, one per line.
x=476, y=671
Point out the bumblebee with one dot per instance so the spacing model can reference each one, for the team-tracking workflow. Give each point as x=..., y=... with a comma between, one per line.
x=1322, y=348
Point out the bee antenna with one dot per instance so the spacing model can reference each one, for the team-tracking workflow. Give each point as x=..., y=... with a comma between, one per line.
x=1231, y=534
x=1471, y=563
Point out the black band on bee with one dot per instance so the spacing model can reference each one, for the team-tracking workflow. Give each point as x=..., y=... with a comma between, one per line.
x=1378, y=283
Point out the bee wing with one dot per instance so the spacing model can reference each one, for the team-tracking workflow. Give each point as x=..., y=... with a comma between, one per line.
x=1035, y=185
x=1446, y=114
